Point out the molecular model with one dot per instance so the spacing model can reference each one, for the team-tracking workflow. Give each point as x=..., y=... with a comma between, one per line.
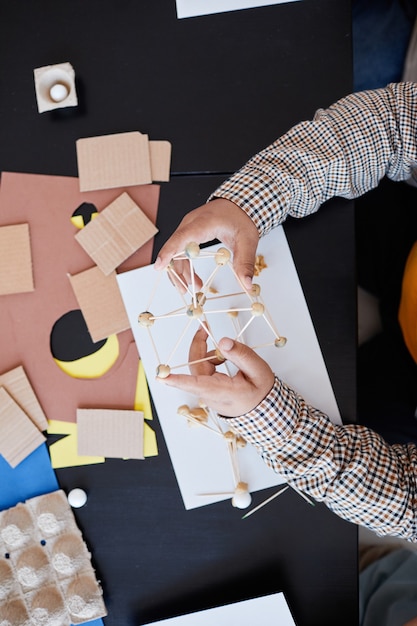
x=242, y=310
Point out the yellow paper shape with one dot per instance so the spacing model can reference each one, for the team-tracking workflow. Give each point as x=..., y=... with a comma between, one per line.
x=150, y=446
x=143, y=403
x=64, y=453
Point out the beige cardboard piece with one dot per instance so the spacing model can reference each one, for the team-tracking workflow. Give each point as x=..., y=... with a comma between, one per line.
x=160, y=152
x=47, y=79
x=111, y=161
x=18, y=435
x=15, y=260
x=26, y=320
x=48, y=573
x=116, y=233
x=101, y=303
x=17, y=385
x=110, y=433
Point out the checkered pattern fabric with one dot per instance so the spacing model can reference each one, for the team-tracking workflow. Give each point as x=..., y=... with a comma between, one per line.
x=344, y=151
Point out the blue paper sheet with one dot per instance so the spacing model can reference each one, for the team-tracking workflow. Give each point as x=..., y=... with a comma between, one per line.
x=34, y=476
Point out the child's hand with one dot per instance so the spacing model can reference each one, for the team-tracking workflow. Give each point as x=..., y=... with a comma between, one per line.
x=219, y=219
x=229, y=396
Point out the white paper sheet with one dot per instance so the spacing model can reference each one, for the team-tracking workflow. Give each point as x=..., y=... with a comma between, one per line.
x=271, y=609
x=200, y=459
x=193, y=8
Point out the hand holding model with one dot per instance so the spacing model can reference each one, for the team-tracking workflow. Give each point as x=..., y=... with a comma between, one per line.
x=230, y=396
x=219, y=219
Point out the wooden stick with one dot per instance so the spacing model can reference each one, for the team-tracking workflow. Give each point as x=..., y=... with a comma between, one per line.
x=265, y=502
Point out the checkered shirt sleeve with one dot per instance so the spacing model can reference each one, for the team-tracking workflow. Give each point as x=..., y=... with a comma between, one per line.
x=344, y=151
x=349, y=468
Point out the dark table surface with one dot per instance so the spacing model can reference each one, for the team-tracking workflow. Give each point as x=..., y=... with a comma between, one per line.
x=219, y=88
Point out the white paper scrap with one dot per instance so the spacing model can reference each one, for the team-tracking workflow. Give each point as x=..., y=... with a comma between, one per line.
x=194, y=8
x=271, y=609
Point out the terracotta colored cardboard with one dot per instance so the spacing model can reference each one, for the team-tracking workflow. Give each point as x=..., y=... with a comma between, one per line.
x=18, y=435
x=111, y=161
x=109, y=433
x=48, y=574
x=26, y=320
x=160, y=152
x=15, y=260
x=116, y=233
x=17, y=385
x=100, y=301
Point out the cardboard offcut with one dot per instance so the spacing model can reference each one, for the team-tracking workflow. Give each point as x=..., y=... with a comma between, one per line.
x=18, y=435
x=19, y=388
x=110, y=433
x=116, y=233
x=101, y=303
x=160, y=155
x=15, y=260
x=111, y=161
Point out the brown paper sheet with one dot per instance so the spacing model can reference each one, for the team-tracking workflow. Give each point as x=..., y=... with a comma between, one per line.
x=26, y=320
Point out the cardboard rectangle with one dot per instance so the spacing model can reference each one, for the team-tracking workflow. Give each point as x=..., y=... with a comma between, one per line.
x=18, y=435
x=101, y=303
x=19, y=388
x=110, y=433
x=160, y=152
x=300, y=363
x=272, y=609
x=111, y=161
x=16, y=274
x=27, y=319
x=116, y=233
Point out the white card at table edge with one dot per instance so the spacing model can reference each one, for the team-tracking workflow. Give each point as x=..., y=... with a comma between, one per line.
x=194, y=8
x=299, y=363
x=271, y=609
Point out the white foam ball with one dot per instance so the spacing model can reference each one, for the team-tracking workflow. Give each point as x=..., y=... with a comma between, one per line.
x=58, y=92
x=77, y=498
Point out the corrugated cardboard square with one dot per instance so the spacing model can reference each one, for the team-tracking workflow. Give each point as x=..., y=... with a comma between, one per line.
x=15, y=260
x=18, y=435
x=17, y=384
x=110, y=433
x=116, y=233
x=110, y=161
x=101, y=303
x=160, y=152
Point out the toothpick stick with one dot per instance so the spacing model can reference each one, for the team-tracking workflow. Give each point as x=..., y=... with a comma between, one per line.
x=265, y=502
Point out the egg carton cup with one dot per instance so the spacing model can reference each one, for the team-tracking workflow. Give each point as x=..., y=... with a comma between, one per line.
x=46, y=566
